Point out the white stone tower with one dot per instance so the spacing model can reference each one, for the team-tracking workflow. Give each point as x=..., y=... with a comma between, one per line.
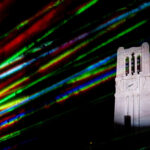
x=132, y=97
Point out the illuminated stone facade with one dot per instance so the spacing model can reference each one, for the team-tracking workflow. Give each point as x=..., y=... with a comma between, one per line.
x=132, y=97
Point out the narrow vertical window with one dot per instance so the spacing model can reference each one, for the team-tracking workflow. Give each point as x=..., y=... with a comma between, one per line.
x=132, y=64
x=127, y=66
x=138, y=64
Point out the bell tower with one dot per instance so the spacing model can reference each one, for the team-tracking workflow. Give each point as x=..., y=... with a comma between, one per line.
x=132, y=96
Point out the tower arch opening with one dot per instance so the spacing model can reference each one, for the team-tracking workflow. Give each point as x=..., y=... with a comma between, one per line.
x=139, y=69
x=132, y=63
x=127, y=65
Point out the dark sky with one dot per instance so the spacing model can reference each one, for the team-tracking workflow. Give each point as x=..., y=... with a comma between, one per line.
x=84, y=120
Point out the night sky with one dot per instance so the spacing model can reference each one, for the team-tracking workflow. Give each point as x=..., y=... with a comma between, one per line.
x=58, y=68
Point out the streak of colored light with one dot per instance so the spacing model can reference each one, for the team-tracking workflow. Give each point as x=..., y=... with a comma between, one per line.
x=12, y=95
x=32, y=50
x=36, y=28
x=78, y=47
x=17, y=133
x=67, y=44
x=12, y=86
x=63, y=56
x=109, y=75
x=93, y=39
x=112, y=39
x=123, y=16
x=92, y=73
x=54, y=86
x=85, y=7
x=40, y=13
x=69, y=93
x=49, y=7
x=101, y=62
x=10, y=104
x=11, y=121
x=90, y=84
x=27, y=114
x=7, y=61
x=43, y=45
x=20, y=38
x=63, y=98
x=60, y=48
x=86, y=86
x=24, y=88
x=77, y=79
x=78, y=12
x=9, y=136
x=27, y=78
x=16, y=69
x=101, y=45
